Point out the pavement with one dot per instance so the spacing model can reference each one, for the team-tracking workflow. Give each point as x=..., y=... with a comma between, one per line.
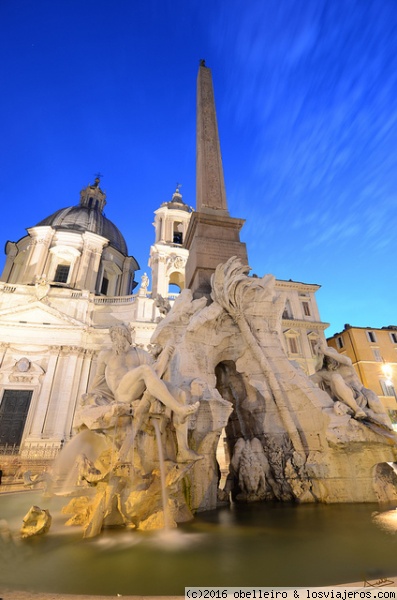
x=383, y=583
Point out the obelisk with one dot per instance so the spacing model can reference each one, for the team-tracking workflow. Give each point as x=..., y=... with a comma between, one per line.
x=213, y=235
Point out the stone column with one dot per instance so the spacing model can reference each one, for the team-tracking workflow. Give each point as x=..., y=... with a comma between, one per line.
x=90, y=260
x=84, y=262
x=125, y=279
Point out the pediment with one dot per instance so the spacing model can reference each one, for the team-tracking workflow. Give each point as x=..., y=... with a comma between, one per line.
x=291, y=332
x=37, y=313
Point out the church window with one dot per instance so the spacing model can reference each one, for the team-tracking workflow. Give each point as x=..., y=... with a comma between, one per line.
x=177, y=237
x=62, y=273
x=178, y=233
x=293, y=345
x=173, y=289
x=176, y=282
x=313, y=345
x=104, y=286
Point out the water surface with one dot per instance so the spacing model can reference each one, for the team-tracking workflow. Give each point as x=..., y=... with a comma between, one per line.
x=248, y=545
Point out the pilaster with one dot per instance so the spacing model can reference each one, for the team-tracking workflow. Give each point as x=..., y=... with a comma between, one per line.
x=90, y=261
x=45, y=394
x=12, y=252
x=68, y=393
x=38, y=252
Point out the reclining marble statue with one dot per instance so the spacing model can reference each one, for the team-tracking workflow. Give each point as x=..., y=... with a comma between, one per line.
x=336, y=375
x=120, y=483
x=128, y=382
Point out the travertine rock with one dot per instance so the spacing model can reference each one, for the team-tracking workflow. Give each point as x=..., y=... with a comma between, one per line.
x=231, y=355
x=222, y=366
x=36, y=522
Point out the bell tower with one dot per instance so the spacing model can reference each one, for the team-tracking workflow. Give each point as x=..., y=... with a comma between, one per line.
x=167, y=255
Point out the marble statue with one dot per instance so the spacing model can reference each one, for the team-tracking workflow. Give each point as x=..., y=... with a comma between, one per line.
x=43, y=479
x=336, y=375
x=115, y=456
x=252, y=468
x=124, y=373
x=144, y=285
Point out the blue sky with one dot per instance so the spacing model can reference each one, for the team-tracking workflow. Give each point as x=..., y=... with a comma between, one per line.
x=306, y=95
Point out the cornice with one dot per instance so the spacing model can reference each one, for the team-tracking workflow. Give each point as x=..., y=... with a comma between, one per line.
x=302, y=324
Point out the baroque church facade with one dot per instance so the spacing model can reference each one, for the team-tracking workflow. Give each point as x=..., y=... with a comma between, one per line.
x=70, y=279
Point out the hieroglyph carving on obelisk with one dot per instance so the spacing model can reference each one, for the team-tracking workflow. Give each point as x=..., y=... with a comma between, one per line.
x=210, y=182
x=213, y=235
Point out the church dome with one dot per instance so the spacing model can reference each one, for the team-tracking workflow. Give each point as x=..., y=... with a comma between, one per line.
x=81, y=218
x=88, y=216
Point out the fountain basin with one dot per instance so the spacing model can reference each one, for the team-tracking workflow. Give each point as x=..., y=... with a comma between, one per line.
x=260, y=544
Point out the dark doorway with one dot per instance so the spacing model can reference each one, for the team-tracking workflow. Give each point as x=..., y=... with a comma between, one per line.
x=13, y=412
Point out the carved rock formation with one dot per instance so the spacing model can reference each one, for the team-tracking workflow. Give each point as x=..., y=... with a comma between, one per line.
x=222, y=367
x=36, y=522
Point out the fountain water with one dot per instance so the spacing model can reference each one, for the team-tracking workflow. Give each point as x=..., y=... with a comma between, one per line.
x=164, y=494
x=274, y=544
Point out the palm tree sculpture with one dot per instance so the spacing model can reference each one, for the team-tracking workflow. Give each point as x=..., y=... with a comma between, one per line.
x=235, y=292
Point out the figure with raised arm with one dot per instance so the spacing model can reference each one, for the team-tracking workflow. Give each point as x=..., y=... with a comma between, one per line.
x=129, y=379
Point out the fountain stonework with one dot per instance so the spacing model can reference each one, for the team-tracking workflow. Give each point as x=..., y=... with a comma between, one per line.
x=311, y=448
x=144, y=455
x=223, y=366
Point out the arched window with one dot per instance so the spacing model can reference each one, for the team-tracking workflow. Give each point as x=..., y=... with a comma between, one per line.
x=177, y=280
x=177, y=233
x=174, y=289
x=63, y=259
